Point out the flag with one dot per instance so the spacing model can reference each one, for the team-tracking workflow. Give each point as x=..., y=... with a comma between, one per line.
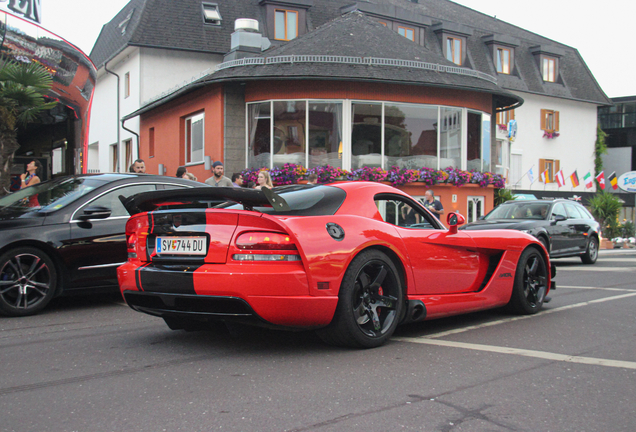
x=560, y=178
x=531, y=174
x=545, y=176
x=601, y=180
x=574, y=178
x=588, y=180
x=613, y=180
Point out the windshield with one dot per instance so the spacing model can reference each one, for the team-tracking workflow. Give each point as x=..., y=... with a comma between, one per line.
x=49, y=195
x=521, y=210
x=303, y=201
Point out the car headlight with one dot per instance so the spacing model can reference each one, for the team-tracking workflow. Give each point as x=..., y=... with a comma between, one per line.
x=526, y=231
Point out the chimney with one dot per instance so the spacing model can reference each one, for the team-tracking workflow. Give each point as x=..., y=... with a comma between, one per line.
x=246, y=40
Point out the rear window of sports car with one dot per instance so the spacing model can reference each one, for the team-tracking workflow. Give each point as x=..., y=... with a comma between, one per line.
x=303, y=201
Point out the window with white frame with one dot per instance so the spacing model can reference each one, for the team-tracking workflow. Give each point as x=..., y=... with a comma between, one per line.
x=354, y=134
x=211, y=14
x=194, y=138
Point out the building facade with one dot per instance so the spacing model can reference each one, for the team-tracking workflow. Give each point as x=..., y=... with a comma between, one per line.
x=428, y=84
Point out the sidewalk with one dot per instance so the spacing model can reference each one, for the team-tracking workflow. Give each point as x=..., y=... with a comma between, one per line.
x=616, y=251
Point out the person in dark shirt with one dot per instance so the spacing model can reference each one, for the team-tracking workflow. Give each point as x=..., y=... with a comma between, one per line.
x=433, y=205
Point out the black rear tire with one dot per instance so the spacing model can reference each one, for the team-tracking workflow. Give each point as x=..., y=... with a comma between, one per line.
x=370, y=303
x=531, y=283
x=591, y=252
x=28, y=281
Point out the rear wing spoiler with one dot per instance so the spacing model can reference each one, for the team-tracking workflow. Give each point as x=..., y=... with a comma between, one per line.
x=203, y=197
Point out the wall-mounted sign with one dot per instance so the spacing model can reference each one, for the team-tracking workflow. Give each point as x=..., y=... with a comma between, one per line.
x=29, y=9
x=627, y=181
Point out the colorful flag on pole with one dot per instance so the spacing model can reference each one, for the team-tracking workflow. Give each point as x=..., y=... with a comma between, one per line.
x=613, y=180
x=560, y=178
x=545, y=176
x=588, y=180
x=574, y=178
x=601, y=180
x=531, y=174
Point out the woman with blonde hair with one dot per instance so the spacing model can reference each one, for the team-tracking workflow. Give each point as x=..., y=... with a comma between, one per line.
x=264, y=180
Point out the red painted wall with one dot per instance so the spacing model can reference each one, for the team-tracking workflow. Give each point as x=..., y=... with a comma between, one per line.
x=297, y=89
x=169, y=132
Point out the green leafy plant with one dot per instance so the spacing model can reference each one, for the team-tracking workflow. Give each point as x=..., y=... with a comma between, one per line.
x=605, y=207
x=600, y=148
x=503, y=195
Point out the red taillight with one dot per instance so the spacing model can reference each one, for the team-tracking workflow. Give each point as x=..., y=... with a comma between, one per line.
x=135, y=231
x=264, y=241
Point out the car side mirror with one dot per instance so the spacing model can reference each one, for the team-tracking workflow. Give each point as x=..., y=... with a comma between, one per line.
x=559, y=218
x=454, y=220
x=95, y=212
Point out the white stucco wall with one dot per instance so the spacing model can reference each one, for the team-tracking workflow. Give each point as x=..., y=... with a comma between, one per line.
x=164, y=69
x=152, y=72
x=574, y=148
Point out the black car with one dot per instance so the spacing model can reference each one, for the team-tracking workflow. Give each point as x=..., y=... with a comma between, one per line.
x=67, y=235
x=564, y=227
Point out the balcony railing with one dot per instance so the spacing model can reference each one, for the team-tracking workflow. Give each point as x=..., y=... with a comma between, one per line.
x=618, y=120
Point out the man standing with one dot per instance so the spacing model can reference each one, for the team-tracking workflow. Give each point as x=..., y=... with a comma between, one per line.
x=139, y=166
x=218, y=179
x=237, y=180
x=433, y=205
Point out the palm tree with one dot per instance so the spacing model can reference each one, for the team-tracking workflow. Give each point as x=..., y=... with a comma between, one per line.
x=22, y=90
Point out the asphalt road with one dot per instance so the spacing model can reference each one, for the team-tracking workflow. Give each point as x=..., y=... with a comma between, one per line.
x=92, y=364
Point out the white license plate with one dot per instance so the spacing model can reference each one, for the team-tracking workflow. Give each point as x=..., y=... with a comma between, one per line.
x=181, y=246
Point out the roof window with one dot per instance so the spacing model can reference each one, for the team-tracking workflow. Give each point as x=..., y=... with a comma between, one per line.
x=211, y=14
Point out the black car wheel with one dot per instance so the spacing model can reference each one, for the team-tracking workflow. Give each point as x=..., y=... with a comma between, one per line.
x=531, y=283
x=27, y=281
x=591, y=253
x=369, y=304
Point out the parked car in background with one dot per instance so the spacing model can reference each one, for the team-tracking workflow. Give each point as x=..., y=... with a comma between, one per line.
x=564, y=227
x=67, y=235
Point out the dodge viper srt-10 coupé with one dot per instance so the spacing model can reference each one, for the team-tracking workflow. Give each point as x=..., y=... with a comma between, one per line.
x=352, y=260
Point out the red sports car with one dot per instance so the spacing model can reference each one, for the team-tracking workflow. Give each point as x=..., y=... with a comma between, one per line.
x=351, y=260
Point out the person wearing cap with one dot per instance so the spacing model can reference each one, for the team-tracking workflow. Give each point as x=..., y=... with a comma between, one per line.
x=218, y=179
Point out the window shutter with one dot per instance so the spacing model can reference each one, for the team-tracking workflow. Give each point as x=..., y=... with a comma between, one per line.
x=543, y=116
x=541, y=166
x=556, y=120
x=512, y=114
x=557, y=166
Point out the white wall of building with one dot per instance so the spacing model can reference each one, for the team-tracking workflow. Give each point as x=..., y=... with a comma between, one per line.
x=151, y=73
x=574, y=148
x=163, y=69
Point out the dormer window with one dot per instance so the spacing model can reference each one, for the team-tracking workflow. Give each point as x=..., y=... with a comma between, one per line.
x=453, y=39
x=407, y=32
x=502, y=48
x=503, y=60
x=286, y=24
x=548, y=68
x=454, y=49
x=547, y=58
x=211, y=14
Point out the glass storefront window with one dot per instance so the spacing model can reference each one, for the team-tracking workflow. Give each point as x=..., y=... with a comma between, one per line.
x=410, y=136
x=259, y=138
x=473, y=144
x=366, y=135
x=325, y=134
x=377, y=134
x=289, y=132
x=450, y=140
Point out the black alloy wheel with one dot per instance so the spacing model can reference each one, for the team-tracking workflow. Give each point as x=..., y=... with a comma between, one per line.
x=531, y=283
x=370, y=303
x=27, y=281
x=591, y=252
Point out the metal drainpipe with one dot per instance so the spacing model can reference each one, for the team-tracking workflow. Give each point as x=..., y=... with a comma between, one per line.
x=118, y=79
x=132, y=132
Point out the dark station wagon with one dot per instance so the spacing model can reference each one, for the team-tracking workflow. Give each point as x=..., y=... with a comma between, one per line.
x=564, y=227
